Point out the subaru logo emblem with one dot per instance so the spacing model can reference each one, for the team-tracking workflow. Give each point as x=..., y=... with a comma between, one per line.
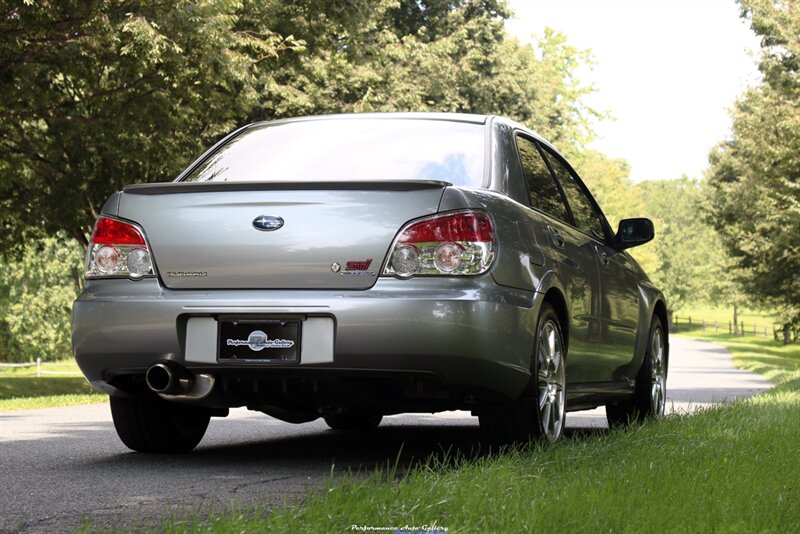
x=267, y=223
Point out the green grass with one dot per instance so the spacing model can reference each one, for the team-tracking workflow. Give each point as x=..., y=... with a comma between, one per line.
x=731, y=468
x=62, y=366
x=723, y=315
x=20, y=392
x=50, y=401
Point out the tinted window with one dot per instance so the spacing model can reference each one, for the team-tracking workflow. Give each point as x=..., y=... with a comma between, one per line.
x=350, y=149
x=586, y=216
x=544, y=193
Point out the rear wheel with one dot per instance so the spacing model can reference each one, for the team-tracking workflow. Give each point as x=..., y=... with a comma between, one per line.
x=354, y=421
x=147, y=423
x=649, y=397
x=540, y=412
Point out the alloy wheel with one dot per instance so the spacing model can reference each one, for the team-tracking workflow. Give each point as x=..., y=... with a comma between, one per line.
x=551, y=382
x=658, y=374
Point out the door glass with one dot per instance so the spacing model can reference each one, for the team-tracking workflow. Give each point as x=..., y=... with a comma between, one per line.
x=544, y=193
x=587, y=218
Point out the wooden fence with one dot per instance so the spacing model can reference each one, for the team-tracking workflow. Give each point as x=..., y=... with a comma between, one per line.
x=756, y=329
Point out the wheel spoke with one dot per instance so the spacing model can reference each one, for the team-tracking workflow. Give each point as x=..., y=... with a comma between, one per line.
x=551, y=344
x=545, y=415
x=542, y=398
x=657, y=373
x=543, y=376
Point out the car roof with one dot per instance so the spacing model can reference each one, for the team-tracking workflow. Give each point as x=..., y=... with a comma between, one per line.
x=434, y=116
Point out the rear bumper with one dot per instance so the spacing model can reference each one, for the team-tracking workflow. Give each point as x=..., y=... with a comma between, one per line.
x=469, y=334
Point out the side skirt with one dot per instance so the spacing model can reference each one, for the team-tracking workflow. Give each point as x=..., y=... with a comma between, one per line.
x=588, y=395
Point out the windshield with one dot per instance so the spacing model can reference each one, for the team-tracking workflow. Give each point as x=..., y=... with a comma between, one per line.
x=350, y=149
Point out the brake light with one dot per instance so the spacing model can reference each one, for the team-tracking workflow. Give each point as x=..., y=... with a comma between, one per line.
x=118, y=249
x=453, y=244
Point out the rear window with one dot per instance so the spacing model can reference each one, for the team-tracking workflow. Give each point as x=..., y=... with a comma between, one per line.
x=351, y=149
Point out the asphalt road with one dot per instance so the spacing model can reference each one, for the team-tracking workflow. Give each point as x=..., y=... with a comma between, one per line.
x=61, y=465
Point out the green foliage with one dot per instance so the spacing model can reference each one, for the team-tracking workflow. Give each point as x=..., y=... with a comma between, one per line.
x=753, y=196
x=36, y=295
x=694, y=267
x=98, y=94
x=456, y=59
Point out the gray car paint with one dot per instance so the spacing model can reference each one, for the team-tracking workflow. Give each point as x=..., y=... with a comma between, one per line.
x=213, y=233
x=475, y=332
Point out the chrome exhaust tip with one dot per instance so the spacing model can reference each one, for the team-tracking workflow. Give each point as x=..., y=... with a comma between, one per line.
x=168, y=379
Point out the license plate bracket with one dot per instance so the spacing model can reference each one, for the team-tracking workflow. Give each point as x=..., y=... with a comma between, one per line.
x=259, y=340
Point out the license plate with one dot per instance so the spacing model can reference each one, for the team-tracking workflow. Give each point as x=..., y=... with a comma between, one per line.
x=259, y=339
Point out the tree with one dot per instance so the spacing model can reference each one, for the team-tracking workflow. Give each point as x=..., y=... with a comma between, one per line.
x=36, y=295
x=753, y=196
x=98, y=94
x=690, y=251
x=95, y=94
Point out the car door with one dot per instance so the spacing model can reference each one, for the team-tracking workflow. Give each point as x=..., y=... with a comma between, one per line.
x=568, y=254
x=619, y=298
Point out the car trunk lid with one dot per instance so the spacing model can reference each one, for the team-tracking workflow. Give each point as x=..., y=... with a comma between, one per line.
x=335, y=235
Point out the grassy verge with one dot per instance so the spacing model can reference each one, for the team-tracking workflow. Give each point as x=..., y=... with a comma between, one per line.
x=61, y=366
x=733, y=468
x=50, y=401
x=19, y=392
x=723, y=314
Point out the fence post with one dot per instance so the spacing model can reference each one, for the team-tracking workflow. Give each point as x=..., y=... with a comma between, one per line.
x=742, y=329
x=690, y=322
x=704, y=325
x=765, y=331
x=38, y=367
x=730, y=329
x=716, y=325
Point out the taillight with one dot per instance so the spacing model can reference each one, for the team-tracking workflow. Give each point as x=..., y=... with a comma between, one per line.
x=453, y=244
x=117, y=249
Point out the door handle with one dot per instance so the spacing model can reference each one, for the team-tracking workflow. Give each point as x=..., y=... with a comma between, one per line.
x=555, y=235
x=603, y=256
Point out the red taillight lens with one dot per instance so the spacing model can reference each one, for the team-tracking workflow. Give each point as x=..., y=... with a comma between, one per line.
x=453, y=244
x=464, y=226
x=112, y=232
x=117, y=249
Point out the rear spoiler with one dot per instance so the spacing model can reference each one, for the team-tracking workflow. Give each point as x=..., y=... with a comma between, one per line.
x=170, y=188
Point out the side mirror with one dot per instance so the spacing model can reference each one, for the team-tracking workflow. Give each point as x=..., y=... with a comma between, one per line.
x=634, y=232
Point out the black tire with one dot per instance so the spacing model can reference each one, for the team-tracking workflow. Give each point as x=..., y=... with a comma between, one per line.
x=147, y=423
x=541, y=410
x=648, y=400
x=354, y=421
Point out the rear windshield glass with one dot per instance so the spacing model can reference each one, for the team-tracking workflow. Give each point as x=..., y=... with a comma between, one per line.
x=352, y=149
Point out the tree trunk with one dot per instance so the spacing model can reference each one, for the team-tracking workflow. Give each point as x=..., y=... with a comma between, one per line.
x=787, y=339
x=735, y=320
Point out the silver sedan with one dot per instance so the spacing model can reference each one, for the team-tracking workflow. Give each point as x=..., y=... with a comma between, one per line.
x=354, y=266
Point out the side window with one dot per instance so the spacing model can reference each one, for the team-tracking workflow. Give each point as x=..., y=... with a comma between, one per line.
x=544, y=193
x=587, y=218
